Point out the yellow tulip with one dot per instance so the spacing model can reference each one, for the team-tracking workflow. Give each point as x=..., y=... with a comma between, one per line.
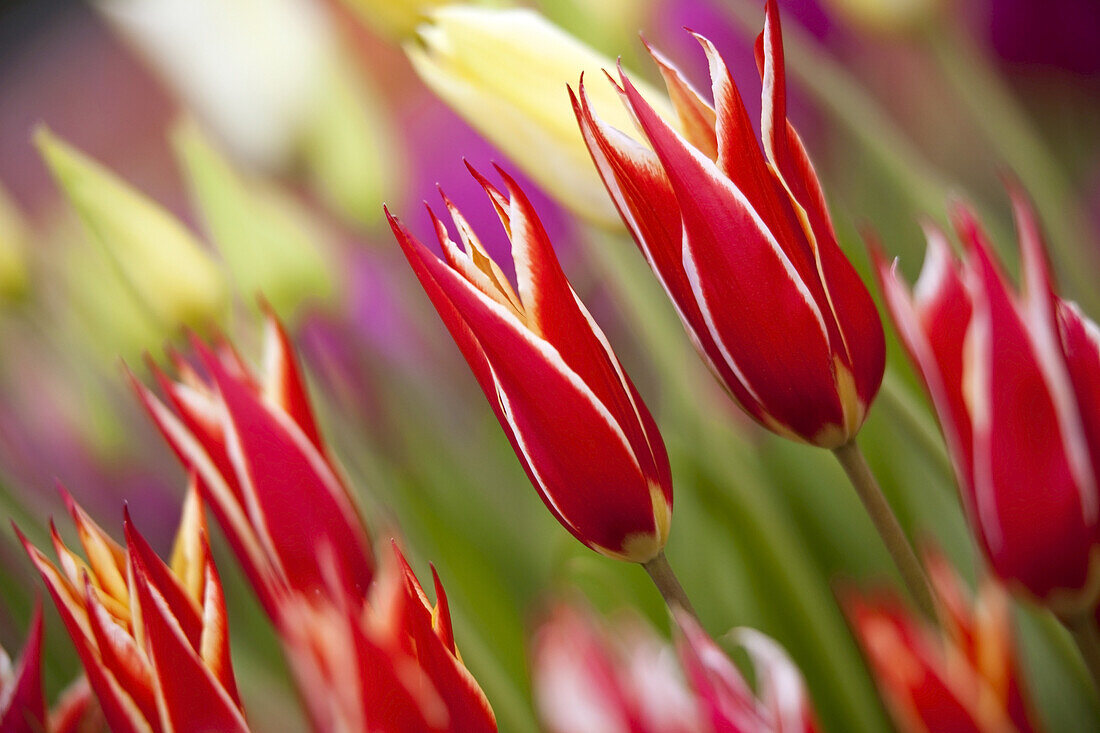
x=160, y=261
x=505, y=72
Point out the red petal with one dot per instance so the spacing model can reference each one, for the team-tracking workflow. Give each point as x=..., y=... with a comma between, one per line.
x=189, y=696
x=1028, y=497
x=22, y=704
x=282, y=377
x=721, y=693
x=183, y=607
x=697, y=118
x=292, y=494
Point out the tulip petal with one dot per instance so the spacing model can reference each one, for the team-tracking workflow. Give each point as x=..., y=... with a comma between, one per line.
x=290, y=490
x=283, y=382
x=22, y=703
x=753, y=284
x=189, y=696
x=697, y=117
x=723, y=696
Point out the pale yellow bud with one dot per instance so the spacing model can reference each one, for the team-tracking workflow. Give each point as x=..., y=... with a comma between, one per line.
x=393, y=18
x=13, y=264
x=505, y=72
x=269, y=245
x=158, y=259
x=885, y=16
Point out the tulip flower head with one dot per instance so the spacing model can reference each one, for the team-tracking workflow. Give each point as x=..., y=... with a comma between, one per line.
x=387, y=662
x=153, y=637
x=963, y=678
x=573, y=417
x=742, y=242
x=589, y=679
x=253, y=445
x=1014, y=381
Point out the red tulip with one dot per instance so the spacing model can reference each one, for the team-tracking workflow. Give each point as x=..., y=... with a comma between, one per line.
x=153, y=638
x=252, y=442
x=1015, y=381
x=385, y=663
x=963, y=678
x=22, y=703
x=743, y=244
x=587, y=678
x=577, y=424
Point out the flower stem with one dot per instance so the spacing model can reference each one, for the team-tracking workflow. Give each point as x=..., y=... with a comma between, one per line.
x=666, y=581
x=1083, y=629
x=870, y=493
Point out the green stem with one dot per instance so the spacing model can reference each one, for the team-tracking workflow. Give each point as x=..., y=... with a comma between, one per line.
x=668, y=584
x=1084, y=632
x=870, y=493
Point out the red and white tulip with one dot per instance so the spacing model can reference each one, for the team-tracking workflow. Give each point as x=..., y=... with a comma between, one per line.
x=385, y=663
x=963, y=676
x=153, y=637
x=742, y=242
x=578, y=426
x=253, y=445
x=587, y=678
x=1015, y=381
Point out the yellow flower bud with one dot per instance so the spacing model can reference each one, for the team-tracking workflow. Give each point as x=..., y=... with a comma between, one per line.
x=505, y=72
x=13, y=266
x=267, y=241
x=158, y=258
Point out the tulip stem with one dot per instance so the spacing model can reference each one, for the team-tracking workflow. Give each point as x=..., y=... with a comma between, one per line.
x=1084, y=631
x=886, y=522
x=669, y=585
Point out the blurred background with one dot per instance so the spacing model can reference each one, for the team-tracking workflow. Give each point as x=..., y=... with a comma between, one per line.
x=272, y=131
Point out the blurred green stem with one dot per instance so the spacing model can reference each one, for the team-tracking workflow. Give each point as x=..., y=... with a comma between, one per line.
x=666, y=581
x=870, y=493
x=1007, y=126
x=1083, y=629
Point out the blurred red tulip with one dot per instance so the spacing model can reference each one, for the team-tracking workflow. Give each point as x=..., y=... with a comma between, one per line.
x=22, y=703
x=578, y=426
x=588, y=679
x=963, y=678
x=1015, y=381
x=744, y=246
x=153, y=637
x=253, y=444
x=385, y=663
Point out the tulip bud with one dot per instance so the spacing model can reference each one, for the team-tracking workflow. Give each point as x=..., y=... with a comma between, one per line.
x=13, y=266
x=1015, y=381
x=267, y=241
x=744, y=246
x=253, y=445
x=164, y=265
x=963, y=678
x=22, y=702
x=589, y=678
x=153, y=638
x=573, y=417
x=505, y=72
x=387, y=662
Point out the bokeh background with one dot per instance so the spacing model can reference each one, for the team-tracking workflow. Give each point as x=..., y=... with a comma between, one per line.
x=283, y=125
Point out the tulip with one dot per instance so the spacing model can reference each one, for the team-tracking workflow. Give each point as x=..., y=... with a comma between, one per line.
x=385, y=663
x=253, y=445
x=1014, y=381
x=744, y=246
x=152, y=637
x=504, y=71
x=164, y=266
x=587, y=679
x=574, y=419
x=22, y=702
x=964, y=677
